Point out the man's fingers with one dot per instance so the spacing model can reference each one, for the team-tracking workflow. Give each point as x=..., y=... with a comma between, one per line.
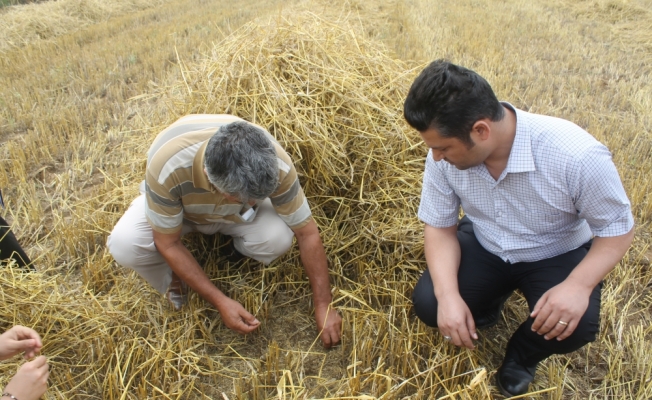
x=336, y=329
x=330, y=336
x=461, y=338
x=334, y=335
x=250, y=323
x=24, y=344
x=326, y=340
x=455, y=338
x=536, y=309
x=244, y=328
x=249, y=328
x=539, y=305
x=335, y=338
x=549, y=324
x=39, y=361
x=470, y=323
x=465, y=337
x=19, y=339
x=248, y=318
x=329, y=326
x=568, y=331
x=554, y=331
x=244, y=323
x=560, y=328
x=23, y=333
x=542, y=316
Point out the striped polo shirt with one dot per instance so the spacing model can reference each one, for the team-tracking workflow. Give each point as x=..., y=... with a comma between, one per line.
x=178, y=191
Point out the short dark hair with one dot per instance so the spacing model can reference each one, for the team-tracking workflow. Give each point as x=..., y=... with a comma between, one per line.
x=450, y=99
x=240, y=160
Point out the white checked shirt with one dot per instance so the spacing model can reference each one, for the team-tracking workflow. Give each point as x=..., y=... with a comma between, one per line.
x=559, y=188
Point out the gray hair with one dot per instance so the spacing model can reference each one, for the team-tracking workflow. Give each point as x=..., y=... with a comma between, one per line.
x=240, y=160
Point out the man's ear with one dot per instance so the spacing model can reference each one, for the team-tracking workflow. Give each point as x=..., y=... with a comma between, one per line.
x=481, y=129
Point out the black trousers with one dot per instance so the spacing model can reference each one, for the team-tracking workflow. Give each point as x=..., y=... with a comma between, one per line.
x=484, y=277
x=10, y=248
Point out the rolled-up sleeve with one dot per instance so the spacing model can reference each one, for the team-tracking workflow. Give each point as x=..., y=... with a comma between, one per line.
x=288, y=200
x=439, y=205
x=599, y=195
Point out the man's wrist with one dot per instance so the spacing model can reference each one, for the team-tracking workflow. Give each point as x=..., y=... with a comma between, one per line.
x=218, y=300
x=323, y=303
x=582, y=283
x=443, y=295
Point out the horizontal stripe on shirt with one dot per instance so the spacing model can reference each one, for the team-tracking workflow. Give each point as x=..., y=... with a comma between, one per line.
x=302, y=214
x=178, y=190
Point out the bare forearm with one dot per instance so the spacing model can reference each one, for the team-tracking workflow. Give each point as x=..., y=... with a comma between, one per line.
x=314, y=262
x=603, y=256
x=188, y=270
x=454, y=319
x=443, y=258
x=313, y=258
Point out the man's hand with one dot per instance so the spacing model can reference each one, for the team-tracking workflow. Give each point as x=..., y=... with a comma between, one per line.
x=19, y=339
x=329, y=323
x=186, y=268
x=443, y=254
x=558, y=311
x=313, y=257
x=454, y=319
x=31, y=380
x=235, y=317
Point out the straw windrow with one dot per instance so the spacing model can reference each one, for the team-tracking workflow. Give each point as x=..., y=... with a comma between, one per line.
x=74, y=135
x=333, y=99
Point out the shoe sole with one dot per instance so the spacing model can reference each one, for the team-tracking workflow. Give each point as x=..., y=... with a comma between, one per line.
x=177, y=305
x=501, y=389
x=180, y=299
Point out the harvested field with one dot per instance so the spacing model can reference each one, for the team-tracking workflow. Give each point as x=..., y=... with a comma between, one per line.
x=39, y=21
x=79, y=109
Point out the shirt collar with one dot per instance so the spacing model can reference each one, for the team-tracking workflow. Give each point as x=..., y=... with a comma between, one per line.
x=520, y=156
x=199, y=178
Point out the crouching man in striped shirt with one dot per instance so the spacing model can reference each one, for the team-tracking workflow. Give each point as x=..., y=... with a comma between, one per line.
x=218, y=173
x=545, y=213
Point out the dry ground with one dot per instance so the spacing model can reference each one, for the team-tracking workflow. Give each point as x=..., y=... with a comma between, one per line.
x=79, y=106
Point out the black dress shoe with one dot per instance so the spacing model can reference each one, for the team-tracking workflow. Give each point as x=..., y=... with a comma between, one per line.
x=513, y=379
x=492, y=317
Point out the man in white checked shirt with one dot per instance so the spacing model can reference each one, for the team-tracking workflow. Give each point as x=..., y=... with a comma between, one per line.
x=545, y=213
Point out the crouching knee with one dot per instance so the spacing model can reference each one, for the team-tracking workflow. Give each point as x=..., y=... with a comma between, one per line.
x=585, y=332
x=266, y=248
x=424, y=301
x=122, y=249
x=280, y=244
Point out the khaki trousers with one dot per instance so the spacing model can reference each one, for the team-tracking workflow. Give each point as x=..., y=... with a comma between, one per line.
x=131, y=242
